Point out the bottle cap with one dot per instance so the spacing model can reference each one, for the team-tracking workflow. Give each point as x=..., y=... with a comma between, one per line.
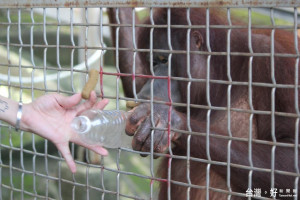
x=81, y=124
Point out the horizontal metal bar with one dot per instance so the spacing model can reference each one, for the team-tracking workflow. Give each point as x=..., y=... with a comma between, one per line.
x=225, y=82
x=290, y=27
x=148, y=3
x=286, y=55
x=25, y=192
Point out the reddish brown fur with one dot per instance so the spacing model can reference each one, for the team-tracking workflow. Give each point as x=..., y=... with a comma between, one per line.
x=239, y=67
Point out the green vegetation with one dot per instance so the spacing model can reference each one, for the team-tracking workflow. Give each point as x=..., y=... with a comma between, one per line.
x=256, y=17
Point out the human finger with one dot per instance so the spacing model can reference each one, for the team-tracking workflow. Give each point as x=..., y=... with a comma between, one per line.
x=76, y=139
x=93, y=147
x=65, y=151
x=98, y=149
x=68, y=101
x=101, y=104
x=87, y=104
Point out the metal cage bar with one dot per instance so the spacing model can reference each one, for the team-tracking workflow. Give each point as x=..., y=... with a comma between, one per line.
x=250, y=75
x=229, y=104
x=188, y=101
x=151, y=3
x=117, y=169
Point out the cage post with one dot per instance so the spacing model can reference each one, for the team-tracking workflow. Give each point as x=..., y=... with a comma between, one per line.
x=296, y=151
x=188, y=102
x=170, y=101
x=151, y=104
x=134, y=54
x=208, y=103
x=229, y=102
x=273, y=100
x=32, y=96
x=250, y=98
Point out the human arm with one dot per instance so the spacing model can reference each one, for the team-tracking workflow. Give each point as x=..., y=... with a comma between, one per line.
x=50, y=117
x=8, y=110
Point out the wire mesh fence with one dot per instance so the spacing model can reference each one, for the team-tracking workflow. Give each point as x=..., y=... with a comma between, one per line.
x=215, y=84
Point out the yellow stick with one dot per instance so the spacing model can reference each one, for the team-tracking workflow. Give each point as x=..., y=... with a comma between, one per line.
x=91, y=84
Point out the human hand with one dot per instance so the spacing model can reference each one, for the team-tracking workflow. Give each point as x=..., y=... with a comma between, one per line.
x=50, y=117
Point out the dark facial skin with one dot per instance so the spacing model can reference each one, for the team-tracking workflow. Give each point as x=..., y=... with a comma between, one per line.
x=208, y=104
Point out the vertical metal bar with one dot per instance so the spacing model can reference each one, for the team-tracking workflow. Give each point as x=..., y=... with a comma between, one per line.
x=45, y=49
x=250, y=100
x=74, y=187
x=8, y=52
x=21, y=89
x=46, y=89
x=73, y=49
x=102, y=59
x=9, y=96
x=229, y=104
x=117, y=98
x=73, y=178
x=209, y=105
x=117, y=102
x=58, y=89
x=87, y=182
x=9, y=89
x=117, y=94
x=11, y=165
x=10, y=138
x=170, y=100
x=73, y=90
x=8, y=82
x=134, y=55
x=87, y=68
x=32, y=53
x=151, y=103
x=22, y=163
x=101, y=69
x=117, y=57
x=85, y=47
x=20, y=52
x=118, y=175
x=188, y=103
x=32, y=98
x=296, y=152
x=117, y=39
x=273, y=100
x=57, y=49
x=102, y=178
x=59, y=178
x=46, y=169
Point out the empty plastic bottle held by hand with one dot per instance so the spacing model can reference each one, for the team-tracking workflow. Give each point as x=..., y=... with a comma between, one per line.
x=102, y=127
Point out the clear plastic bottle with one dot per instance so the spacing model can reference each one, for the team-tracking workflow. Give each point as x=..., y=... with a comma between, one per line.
x=102, y=127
